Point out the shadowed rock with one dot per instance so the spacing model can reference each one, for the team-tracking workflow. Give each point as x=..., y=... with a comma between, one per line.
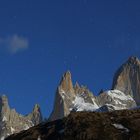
x=127, y=78
x=116, y=125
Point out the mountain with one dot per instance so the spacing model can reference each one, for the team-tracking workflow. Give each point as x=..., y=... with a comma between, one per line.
x=76, y=108
x=116, y=125
x=71, y=97
x=12, y=122
x=127, y=78
x=65, y=96
x=107, y=101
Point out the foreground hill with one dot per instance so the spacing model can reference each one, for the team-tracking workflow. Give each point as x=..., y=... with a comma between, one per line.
x=116, y=125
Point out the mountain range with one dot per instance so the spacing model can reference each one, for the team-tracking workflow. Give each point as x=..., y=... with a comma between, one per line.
x=74, y=99
x=125, y=93
x=13, y=122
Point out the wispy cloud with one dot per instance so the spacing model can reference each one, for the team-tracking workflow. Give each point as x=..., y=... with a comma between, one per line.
x=14, y=44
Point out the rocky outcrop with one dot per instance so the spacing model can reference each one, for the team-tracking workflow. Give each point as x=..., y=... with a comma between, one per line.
x=127, y=78
x=35, y=116
x=85, y=93
x=12, y=122
x=116, y=125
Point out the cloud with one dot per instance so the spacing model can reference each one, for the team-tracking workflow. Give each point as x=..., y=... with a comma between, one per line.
x=14, y=44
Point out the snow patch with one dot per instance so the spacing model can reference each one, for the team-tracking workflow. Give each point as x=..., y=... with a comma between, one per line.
x=12, y=130
x=80, y=105
x=121, y=127
x=4, y=119
x=118, y=94
x=2, y=138
x=38, y=138
x=26, y=127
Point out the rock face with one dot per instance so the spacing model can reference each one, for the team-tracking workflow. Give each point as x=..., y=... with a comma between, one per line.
x=127, y=78
x=65, y=96
x=78, y=98
x=116, y=125
x=12, y=122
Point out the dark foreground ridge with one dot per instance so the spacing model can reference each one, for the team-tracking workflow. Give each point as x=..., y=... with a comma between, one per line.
x=116, y=125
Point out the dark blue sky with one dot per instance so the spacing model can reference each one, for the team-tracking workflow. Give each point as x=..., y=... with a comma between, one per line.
x=40, y=40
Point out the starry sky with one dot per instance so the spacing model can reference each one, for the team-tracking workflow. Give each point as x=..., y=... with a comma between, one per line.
x=41, y=39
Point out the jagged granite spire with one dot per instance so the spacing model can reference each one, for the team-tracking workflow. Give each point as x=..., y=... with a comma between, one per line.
x=66, y=82
x=4, y=106
x=127, y=78
x=12, y=122
x=36, y=115
x=65, y=96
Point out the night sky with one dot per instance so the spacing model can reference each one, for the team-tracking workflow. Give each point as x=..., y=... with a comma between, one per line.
x=41, y=39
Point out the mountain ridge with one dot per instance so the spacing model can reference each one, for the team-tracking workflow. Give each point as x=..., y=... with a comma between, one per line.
x=67, y=94
x=13, y=122
x=116, y=125
x=71, y=98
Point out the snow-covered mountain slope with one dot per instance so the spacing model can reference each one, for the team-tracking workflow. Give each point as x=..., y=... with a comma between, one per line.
x=12, y=122
x=79, y=104
x=79, y=98
x=115, y=100
x=107, y=101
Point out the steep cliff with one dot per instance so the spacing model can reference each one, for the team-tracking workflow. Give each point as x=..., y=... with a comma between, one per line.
x=127, y=78
x=12, y=122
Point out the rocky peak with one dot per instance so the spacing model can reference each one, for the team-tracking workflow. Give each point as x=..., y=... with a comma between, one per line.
x=4, y=99
x=4, y=103
x=13, y=122
x=127, y=78
x=36, y=115
x=65, y=96
x=36, y=108
x=133, y=60
x=77, y=87
x=66, y=82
